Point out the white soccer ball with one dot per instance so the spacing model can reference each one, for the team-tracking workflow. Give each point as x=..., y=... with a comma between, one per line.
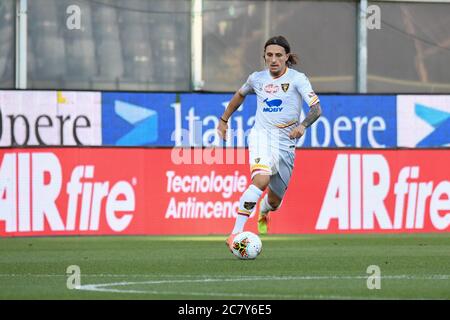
x=246, y=245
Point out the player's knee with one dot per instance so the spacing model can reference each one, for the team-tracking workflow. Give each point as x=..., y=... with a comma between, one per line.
x=261, y=181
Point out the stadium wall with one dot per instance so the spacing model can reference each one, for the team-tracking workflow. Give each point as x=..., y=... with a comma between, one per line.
x=92, y=163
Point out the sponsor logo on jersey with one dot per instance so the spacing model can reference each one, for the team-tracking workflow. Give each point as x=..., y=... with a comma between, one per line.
x=271, y=88
x=273, y=105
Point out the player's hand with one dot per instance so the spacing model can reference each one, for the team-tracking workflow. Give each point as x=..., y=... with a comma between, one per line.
x=222, y=129
x=297, y=132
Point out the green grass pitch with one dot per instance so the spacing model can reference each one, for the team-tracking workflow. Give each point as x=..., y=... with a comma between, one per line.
x=412, y=266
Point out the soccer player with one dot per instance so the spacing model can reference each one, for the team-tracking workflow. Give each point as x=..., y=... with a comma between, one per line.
x=279, y=90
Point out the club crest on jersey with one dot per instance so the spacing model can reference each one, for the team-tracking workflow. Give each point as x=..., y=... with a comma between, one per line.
x=257, y=160
x=285, y=86
x=271, y=88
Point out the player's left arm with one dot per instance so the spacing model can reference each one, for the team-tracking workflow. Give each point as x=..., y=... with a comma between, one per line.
x=314, y=113
x=305, y=89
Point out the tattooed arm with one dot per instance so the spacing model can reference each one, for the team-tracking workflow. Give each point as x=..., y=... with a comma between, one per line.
x=314, y=113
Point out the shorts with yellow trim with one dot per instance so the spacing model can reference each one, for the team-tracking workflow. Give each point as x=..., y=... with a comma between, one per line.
x=268, y=160
x=261, y=160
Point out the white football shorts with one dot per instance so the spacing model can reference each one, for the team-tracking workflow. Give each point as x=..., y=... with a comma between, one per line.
x=267, y=159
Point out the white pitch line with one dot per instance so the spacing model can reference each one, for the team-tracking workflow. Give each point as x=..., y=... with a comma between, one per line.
x=106, y=287
x=214, y=294
x=98, y=275
x=235, y=278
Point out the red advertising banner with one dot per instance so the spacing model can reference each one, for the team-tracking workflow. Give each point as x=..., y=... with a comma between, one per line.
x=100, y=191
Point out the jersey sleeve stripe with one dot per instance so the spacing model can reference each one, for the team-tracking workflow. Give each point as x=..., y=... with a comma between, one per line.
x=314, y=101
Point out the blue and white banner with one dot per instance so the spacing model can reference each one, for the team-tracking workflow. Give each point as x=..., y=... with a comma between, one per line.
x=137, y=119
x=150, y=119
x=199, y=114
x=353, y=122
x=423, y=121
x=346, y=121
x=146, y=119
x=170, y=119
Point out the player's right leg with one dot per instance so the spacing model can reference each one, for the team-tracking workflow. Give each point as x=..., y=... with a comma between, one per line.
x=247, y=204
x=261, y=170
